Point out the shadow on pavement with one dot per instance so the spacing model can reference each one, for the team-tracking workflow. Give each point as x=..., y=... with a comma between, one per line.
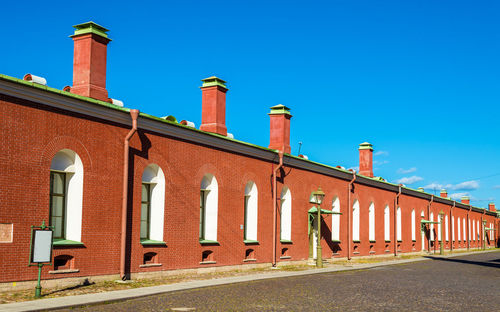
x=491, y=263
x=84, y=284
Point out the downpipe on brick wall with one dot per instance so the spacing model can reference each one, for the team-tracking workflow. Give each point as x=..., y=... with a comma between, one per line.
x=428, y=218
x=396, y=203
x=349, y=218
x=275, y=206
x=134, y=113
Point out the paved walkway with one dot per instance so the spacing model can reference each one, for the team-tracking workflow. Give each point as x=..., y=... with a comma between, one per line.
x=79, y=300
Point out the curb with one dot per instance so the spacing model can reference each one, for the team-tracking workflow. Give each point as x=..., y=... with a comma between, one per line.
x=119, y=295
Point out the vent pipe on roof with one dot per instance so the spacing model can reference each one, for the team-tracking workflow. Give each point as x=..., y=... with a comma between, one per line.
x=188, y=123
x=230, y=135
x=67, y=88
x=117, y=102
x=35, y=79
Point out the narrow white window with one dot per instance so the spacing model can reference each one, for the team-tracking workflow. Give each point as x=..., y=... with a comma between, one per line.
x=469, y=238
x=371, y=222
x=387, y=224
x=432, y=226
x=458, y=229
x=152, y=203
x=209, y=197
x=413, y=234
x=453, y=228
x=422, y=233
x=446, y=227
x=66, y=195
x=355, y=221
x=439, y=226
x=464, y=232
x=398, y=224
x=286, y=214
x=474, y=230
x=336, y=220
x=250, y=211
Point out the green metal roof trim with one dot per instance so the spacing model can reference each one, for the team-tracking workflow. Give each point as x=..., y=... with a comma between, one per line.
x=64, y=93
x=366, y=146
x=90, y=28
x=280, y=109
x=213, y=81
x=359, y=179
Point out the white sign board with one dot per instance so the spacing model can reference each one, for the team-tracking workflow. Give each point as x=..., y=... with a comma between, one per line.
x=42, y=246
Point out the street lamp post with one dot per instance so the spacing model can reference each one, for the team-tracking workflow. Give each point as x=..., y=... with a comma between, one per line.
x=441, y=224
x=317, y=198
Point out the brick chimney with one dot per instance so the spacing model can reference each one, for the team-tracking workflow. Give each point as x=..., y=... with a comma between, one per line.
x=491, y=207
x=279, y=138
x=444, y=193
x=89, y=61
x=465, y=200
x=213, y=105
x=366, y=159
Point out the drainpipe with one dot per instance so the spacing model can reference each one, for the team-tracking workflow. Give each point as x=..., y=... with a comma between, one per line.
x=396, y=203
x=451, y=227
x=428, y=217
x=134, y=113
x=275, y=207
x=468, y=230
x=349, y=212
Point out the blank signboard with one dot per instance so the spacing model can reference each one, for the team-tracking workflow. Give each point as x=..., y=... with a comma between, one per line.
x=42, y=246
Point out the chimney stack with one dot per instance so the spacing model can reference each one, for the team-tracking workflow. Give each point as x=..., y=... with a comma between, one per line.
x=366, y=159
x=465, y=200
x=444, y=193
x=213, y=102
x=279, y=138
x=491, y=207
x=89, y=61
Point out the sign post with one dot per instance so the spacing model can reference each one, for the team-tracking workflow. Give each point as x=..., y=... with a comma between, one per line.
x=40, y=251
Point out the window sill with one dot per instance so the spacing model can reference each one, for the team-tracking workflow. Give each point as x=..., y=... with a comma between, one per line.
x=208, y=262
x=66, y=242
x=64, y=271
x=208, y=242
x=335, y=241
x=249, y=260
x=286, y=241
x=251, y=242
x=414, y=240
x=372, y=252
x=372, y=241
x=150, y=242
x=387, y=240
x=285, y=257
x=149, y=265
x=400, y=241
x=356, y=241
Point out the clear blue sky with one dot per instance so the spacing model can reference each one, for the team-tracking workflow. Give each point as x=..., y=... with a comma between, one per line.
x=418, y=79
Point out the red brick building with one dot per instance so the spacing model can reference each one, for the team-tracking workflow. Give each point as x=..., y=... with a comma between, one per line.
x=130, y=193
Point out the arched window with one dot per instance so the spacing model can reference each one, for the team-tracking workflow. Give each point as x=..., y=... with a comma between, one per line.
x=469, y=237
x=336, y=220
x=432, y=226
x=413, y=235
x=355, y=221
x=422, y=233
x=286, y=215
x=209, y=197
x=398, y=225
x=458, y=229
x=474, y=230
x=387, y=224
x=152, y=203
x=251, y=204
x=452, y=228
x=66, y=195
x=478, y=231
x=371, y=222
x=464, y=230
x=439, y=226
x=446, y=227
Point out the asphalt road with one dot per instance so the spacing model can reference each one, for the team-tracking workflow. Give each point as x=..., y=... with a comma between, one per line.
x=468, y=283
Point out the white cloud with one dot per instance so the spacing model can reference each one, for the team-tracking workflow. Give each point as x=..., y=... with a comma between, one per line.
x=464, y=186
x=457, y=196
x=409, y=180
x=379, y=163
x=381, y=153
x=406, y=171
x=496, y=187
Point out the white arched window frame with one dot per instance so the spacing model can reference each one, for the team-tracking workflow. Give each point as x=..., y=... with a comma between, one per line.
x=446, y=228
x=387, y=224
x=474, y=230
x=286, y=214
x=439, y=226
x=398, y=225
x=422, y=217
x=209, y=201
x=464, y=232
x=152, y=203
x=355, y=220
x=251, y=212
x=469, y=238
x=432, y=226
x=371, y=222
x=452, y=228
x=458, y=229
x=336, y=220
x=413, y=228
x=66, y=175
